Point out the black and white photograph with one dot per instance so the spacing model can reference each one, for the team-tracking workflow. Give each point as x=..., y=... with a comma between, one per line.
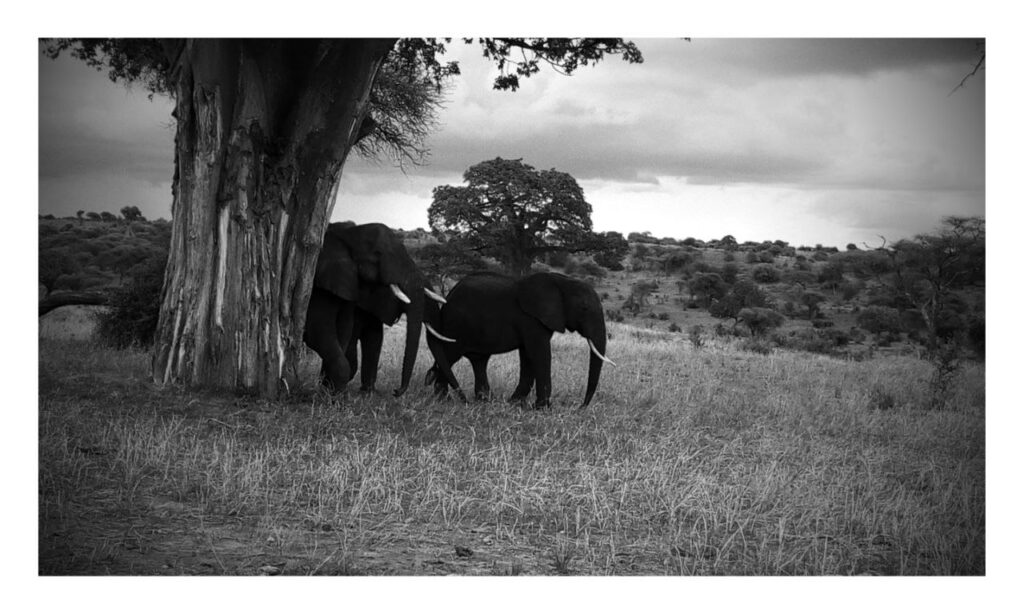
x=385, y=305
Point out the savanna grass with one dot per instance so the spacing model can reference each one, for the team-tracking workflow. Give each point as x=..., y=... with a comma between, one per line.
x=709, y=461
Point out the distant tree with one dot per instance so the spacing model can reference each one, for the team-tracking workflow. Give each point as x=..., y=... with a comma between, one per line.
x=107, y=216
x=728, y=243
x=765, y=274
x=760, y=320
x=741, y=295
x=851, y=247
x=730, y=271
x=131, y=214
x=877, y=319
x=92, y=215
x=708, y=287
x=608, y=249
x=812, y=301
x=638, y=293
x=514, y=213
x=831, y=275
x=80, y=213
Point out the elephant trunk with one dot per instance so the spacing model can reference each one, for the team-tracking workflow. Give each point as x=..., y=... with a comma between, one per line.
x=413, y=327
x=599, y=342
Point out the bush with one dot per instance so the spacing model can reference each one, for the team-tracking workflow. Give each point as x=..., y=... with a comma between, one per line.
x=878, y=319
x=674, y=328
x=134, y=308
x=696, y=334
x=614, y=315
x=765, y=274
x=760, y=320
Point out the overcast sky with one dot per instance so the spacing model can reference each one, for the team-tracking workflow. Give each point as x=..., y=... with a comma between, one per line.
x=810, y=141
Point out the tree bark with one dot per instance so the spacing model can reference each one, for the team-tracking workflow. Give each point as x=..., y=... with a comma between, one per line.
x=263, y=131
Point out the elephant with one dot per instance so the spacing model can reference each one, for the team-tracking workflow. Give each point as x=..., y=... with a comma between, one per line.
x=364, y=279
x=490, y=313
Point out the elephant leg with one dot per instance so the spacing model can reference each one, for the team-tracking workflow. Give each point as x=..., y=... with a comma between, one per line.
x=355, y=331
x=539, y=353
x=525, y=378
x=371, y=339
x=481, y=387
x=327, y=332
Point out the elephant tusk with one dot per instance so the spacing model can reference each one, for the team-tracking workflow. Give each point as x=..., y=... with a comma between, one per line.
x=434, y=295
x=438, y=335
x=401, y=295
x=604, y=358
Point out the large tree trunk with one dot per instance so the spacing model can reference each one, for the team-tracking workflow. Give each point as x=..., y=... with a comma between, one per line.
x=264, y=128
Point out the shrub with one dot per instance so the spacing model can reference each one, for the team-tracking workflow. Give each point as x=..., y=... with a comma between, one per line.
x=674, y=328
x=696, y=335
x=760, y=320
x=663, y=316
x=134, y=308
x=765, y=274
x=878, y=319
x=614, y=315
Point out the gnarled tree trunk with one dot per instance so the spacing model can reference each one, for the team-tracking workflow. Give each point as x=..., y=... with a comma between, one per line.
x=264, y=128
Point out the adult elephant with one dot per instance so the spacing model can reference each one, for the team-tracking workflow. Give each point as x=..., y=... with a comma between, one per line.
x=364, y=279
x=489, y=314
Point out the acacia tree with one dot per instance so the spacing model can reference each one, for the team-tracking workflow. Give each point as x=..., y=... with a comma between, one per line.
x=514, y=213
x=928, y=271
x=264, y=128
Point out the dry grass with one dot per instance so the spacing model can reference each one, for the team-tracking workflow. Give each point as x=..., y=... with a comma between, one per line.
x=710, y=461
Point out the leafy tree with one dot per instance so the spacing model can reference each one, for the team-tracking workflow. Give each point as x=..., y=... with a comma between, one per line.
x=741, y=295
x=513, y=213
x=708, y=287
x=92, y=215
x=928, y=271
x=264, y=127
x=877, y=319
x=765, y=274
x=608, y=249
x=107, y=216
x=812, y=301
x=132, y=214
x=760, y=320
x=638, y=293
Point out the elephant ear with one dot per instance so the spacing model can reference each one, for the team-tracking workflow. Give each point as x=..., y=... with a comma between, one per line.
x=540, y=296
x=381, y=302
x=335, y=270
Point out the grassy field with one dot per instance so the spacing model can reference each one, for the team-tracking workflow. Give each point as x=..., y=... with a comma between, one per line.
x=707, y=461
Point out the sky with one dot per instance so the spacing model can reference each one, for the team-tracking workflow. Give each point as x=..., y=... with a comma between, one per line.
x=830, y=141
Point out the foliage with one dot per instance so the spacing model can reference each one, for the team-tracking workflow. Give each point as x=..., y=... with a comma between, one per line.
x=765, y=274
x=760, y=320
x=608, y=249
x=440, y=262
x=742, y=294
x=708, y=287
x=513, y=213
x=135, y=307
x=930, y=269
x=877, y=319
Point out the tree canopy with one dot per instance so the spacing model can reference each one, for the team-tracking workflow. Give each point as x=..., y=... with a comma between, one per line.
x=514, y=213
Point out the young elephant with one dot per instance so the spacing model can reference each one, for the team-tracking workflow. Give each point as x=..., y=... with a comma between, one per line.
x=491, y=314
